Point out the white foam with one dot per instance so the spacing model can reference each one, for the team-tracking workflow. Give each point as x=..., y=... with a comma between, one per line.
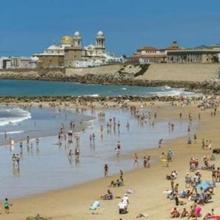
x=19, y=116
x=93, y=95
x=167, y=87
x=176, y=92
x=11, y=132
x=124, y=88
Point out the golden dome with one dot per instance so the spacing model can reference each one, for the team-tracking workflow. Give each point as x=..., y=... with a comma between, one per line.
x=67, y=40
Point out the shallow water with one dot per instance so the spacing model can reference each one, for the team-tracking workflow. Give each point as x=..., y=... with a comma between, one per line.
x=48, y=166
x=34, y=122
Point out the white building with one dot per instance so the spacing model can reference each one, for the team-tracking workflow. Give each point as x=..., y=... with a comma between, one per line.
x=18, y=62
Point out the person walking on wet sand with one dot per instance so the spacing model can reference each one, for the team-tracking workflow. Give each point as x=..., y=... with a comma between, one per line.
x=118, y=149
x=106, y=170
x=160, y=143
x=136, y=160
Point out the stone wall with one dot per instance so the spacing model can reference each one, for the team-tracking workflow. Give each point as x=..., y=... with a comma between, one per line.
x=108, y=69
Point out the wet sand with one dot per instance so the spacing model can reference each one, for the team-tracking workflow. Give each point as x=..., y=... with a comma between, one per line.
x=148, y=184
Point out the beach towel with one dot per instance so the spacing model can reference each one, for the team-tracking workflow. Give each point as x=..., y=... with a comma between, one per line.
x=204, y=184
x=129, y=191
x=94, y=205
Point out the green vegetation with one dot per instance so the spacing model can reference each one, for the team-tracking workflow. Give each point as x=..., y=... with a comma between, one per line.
x=144, y=68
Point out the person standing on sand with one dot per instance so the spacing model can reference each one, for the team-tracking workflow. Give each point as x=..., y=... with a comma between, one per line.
x=145, y=162
x=148, y=161
x=121, y=174
x=163, y=159
x=170, y=155
x=160, y=143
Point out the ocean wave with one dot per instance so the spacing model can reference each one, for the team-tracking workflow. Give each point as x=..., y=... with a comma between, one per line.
x=12, y=132
x=93, y=95
x=166, y=88
x=175, y=92
x=10, y=115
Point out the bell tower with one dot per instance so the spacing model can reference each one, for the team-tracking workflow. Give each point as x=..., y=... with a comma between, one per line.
x=77, y=40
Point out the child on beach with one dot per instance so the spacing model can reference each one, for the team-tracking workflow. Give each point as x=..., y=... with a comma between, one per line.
x=174, y=213
x=6, y=205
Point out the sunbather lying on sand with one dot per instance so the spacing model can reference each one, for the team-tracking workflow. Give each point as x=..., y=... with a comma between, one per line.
x=108, y=195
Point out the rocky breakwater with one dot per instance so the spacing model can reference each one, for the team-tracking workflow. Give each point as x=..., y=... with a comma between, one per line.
x=211, y=86
x=88, y=99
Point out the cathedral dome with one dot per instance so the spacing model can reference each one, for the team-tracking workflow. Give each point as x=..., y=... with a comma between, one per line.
x=77, y=34
x=66, y=40
x=100, y=33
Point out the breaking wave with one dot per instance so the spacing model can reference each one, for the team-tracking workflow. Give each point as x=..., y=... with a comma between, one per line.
x=12, y=115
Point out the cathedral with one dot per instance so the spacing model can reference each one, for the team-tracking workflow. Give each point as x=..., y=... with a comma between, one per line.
x=71, y=53
x=75, y=52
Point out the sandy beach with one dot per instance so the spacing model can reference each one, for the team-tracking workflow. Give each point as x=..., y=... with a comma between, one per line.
x=147, y=184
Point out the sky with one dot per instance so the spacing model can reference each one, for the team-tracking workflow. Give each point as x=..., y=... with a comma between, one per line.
x=30, y=26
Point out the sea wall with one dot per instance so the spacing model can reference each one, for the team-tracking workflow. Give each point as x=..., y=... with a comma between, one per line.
x=102, y=70
x=181, y=72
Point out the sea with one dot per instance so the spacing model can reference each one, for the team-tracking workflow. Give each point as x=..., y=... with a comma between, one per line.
x=49, y=88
